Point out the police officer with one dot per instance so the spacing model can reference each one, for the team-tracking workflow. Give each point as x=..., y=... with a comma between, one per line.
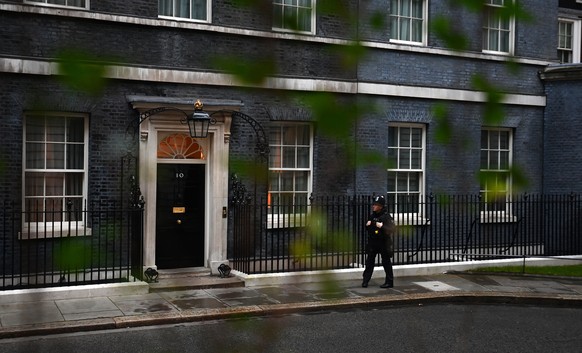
x=379, y=227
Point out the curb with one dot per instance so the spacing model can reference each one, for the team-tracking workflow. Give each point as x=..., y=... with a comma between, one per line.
x=197, y=315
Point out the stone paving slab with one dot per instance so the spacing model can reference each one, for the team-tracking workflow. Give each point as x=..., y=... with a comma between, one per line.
x=30, y=313
x=139, y=305
x=187, y=305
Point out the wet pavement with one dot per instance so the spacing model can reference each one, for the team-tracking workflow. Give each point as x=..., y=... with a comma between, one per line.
x=171, y=305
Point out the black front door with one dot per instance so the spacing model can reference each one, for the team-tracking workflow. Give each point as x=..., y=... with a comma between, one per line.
x=180, y=216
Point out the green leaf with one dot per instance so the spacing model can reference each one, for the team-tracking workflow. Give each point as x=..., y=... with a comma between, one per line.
x=247, y=70
x=351, y=54
x=452, y=38
x=493, y=112
x=81, y=71
x=334, y=118
x=378, y=20
x=443, y=129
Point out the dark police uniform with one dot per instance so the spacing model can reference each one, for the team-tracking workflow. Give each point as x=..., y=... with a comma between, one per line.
x=379, y=242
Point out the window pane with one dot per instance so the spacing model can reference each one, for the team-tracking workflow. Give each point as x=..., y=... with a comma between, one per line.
x=34, y=184
x=494, y=160
x=55, y=158
x=274, y=182
x=303, y=135
x=504, y=42
x=417, y=8
x=165, y=7
x=289, y=137
x=35, y=128
x=414, y=182
x=504, y=160
x=275, y=136
x=199, y=10
x=304, y=20
x=54, y=210
x=402, y=182
x=275, y=157
x=74, y=184
x=405, y=8
x=289, y=157
x=34, y=210
x=75, y=129
x=391, y=181
x=503, y=140
x=404, y=137
x=416, y=35
x=301, y=181
x=287, y=181
x=289, y=18
x=404, y=29
x=394, y=23
x=182, y=8
x=55, y=130
x=404, y=162
x=77, y=3
x=302, y=157
x=75, y=157
x=484, y=160
x=392, y=136
x=416, y=159
x=54, y=184
x=35, y=156
x=416, y=138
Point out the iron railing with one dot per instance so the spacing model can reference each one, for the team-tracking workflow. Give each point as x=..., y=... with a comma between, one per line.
x=50, y=244
x=329, y=233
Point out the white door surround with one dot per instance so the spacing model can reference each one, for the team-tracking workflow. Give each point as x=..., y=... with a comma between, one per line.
x=216, y=157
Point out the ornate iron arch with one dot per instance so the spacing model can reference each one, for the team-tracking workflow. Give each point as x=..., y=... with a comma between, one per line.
x=262, y=144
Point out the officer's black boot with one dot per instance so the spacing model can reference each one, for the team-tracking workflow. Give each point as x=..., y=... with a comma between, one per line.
x=387, y=285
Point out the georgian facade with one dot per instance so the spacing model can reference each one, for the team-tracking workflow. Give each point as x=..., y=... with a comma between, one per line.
x=425, y=106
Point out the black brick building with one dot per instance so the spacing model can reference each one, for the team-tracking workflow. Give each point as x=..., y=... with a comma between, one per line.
x=156, y=55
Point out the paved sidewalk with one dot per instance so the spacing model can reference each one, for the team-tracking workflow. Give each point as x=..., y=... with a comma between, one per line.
x=169, y=307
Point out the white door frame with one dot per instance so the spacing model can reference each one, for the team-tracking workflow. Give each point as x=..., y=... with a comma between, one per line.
x=216, y=149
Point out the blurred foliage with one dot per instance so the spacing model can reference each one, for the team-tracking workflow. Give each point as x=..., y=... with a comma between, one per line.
x=81, y=71
x=443, y=129
x=71, y=254
x=443, y=28
x=248, y=71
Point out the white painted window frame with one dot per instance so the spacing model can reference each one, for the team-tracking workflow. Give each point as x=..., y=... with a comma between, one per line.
x=208, y=18
x=290, y=30
x=498, y=216
x=34, y=230
x=576, y=37
x=44, y=3
x=485, y=39
x=424, y=39
x=285, y=220
x=402, y=217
